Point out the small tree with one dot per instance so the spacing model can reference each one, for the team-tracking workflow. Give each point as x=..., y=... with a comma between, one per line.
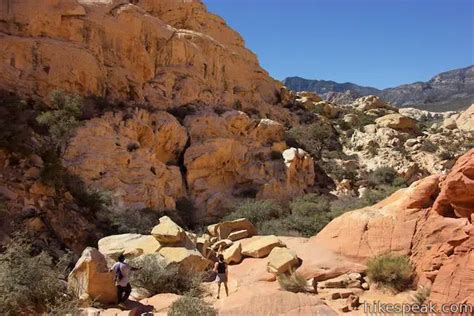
x=314, y=138
x=63, y=118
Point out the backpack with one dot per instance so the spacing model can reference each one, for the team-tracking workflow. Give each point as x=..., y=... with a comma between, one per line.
x=221, y=267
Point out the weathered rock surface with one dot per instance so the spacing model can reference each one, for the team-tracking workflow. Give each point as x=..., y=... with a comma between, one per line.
x=128, y=156
x=398, y=122
x=168, y=231
x=90, y=279
x=261, y=246
x=165, y=53
x=233, y=254
x=233, y=156
x=457, y=189
x=465, y=121
x=188, y=259
x=433, y=228
x=130, y=245
x=281, y=260
x=225, y=229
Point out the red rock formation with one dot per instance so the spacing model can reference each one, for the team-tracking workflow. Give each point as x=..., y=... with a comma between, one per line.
x=437, y=234
x=167, y=53
x=457, y=189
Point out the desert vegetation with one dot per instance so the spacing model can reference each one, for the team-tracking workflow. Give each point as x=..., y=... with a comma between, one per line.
x=155, y=277
x=292, y=282
x=190, y=306
x=32, y=282
x=391, y=271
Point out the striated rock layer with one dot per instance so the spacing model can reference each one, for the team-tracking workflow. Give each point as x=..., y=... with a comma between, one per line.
x=431, y=221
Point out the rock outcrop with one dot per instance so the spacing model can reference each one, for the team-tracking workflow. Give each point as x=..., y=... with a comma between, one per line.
x=165, y=53
x=430, y=221
x=465, y=121
x=131, y=157
x=91, y=279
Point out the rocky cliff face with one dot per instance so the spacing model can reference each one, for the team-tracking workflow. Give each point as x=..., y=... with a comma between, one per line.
x=451, y=90
x=165, y=53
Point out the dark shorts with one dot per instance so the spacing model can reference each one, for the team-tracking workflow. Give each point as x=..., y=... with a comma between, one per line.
x=221, y=278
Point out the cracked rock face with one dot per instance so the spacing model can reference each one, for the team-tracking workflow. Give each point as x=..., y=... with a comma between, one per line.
x=428, y=222
x=136, y=157
x=129, y=157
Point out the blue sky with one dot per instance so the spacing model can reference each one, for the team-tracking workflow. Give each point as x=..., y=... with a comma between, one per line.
x=380, y=43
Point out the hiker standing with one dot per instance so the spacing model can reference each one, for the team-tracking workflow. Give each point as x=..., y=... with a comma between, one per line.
x=220, y=267
x=122, y=279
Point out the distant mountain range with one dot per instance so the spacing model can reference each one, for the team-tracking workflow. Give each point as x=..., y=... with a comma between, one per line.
x=451, y=90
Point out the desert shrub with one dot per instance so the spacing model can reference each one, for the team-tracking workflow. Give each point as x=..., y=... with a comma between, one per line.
x=309, y=204
x=391, y=271
x=313, y=138
x=293, y=282
x=16, y=125
x=153, y=276
x=338, y=172
x=308, y=215
x=3, y=207
x=63, y=119
x=257, y=211
x=52, y=172
x=421, y=296
x=92, y=198
x=384, y=175
x=428, y=146
x=376, y=195
x=31, y=283
x=364, y=119
x=191, y=306
x=135, y=221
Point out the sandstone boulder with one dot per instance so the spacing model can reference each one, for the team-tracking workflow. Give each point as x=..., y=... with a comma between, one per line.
x=261, y=246
x=370, y=102
x=398, y=122
x=131, y=245
x=465, y=121
x=186, y=258
x=91, y=278
x=281, y=260
x=168, y=231
x=233, y=254
x=224, y=229
x=239, y=234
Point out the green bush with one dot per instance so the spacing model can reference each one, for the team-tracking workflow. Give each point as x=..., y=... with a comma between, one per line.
x=428, y=146
x=191, y=306
x=313, y=138
x=63, y=119
x=293, y=282
x=133, y=221
x=16, y=125
x=373, y=196
x=391, y=271
x=384, y=176
x=156, y=278
x=257, y=211
x=31, y=283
